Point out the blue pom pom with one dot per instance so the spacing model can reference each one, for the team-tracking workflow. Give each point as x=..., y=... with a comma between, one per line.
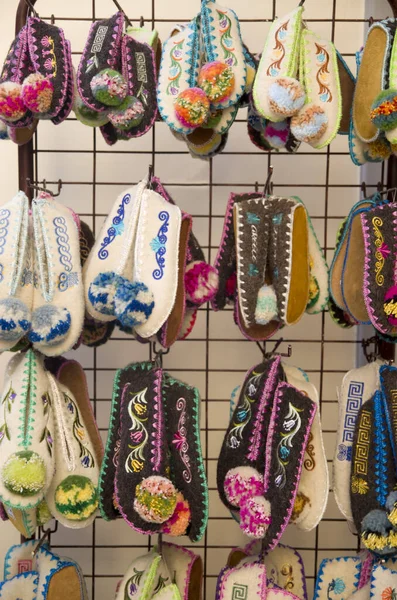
x=134, y=304
x=266, y=305
x=14, y=319
x=102, y=291
x=50, y=324
x=286, y=96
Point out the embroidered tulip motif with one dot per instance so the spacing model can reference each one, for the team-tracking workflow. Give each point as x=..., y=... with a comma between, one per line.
x=337, y=586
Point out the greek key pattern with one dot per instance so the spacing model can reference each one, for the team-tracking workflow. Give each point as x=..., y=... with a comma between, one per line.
x=393, y=394
x=239, y=592
x=99, y=39
x=354, y=402
x=141, y=67
x=362, y=444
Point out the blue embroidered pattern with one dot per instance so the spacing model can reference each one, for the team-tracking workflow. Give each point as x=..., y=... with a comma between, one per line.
x=66, y=279
x=380, y=451
x=4, y=223
x=353, y=405
x=252, y=218
x=158, y=245
x=117, y=228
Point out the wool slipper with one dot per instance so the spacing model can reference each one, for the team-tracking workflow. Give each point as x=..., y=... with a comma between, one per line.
x=338, y=314
x=99, y=79
x=182, y=430
x=247, y=581
x=204, y=142
x=347, y=85
x=16, y=281
x=142, y=459
x=339, y=576
x=358, y=386
x=372, y=78
x=169, y=592
x=312, y=496
x=383, y=109
x=21, y=586
x=380, y=284
x=186, y=569
x=146, y=576
x=24, y=521
x=289, y=429
x=383, y=581
x=22, y=135
x=96, y=333
x=224, y=76
x=277, y=93
x=241, y=464
x=27, y=433
x=67, y=106
x=373, y=478
x=181, y=104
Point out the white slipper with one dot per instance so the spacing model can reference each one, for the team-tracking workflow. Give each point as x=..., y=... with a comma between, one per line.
x=23, y=586
x=186, y=569
x=383, y=582
x=247, y=581
x=146, y=576
x=27, y=433
x=276, y=92
x=58, y=299
x=339, y=576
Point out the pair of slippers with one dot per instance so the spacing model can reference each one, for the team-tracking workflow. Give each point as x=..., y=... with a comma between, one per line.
x=116, y=80
x=153, y=472
x=263, y=458
x=36, y=81
x=41, y=288
x=175, y=574
x=50, y=448
x=35, y=572
x=270, y=263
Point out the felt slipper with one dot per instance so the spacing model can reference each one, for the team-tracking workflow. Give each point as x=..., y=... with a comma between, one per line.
x=142, y=461
x=318, y=122
x=21, y=586
x=22, y=135
x=358, y=386
x=338, y=314
x=247, y=581
x=67, y=106
x=339, y=576
x=224, y=76
x=380, y=284
x=186, y=569
x=26, y=450
x=182, y=429
x=24, y=521
x=181, y=104
x=241, y=464
x=16, y=281
x=145, y=576
x=99, y=79
x=58, y=299
x=204, y=142
x=347, y=85
x=277, y=93
x=383, y=581
x=388, y=379
x=312, y=496
x=169, y=592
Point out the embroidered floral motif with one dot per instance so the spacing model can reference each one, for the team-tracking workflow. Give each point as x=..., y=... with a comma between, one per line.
x=310, y=463
x=79, y=433
x=291, y=425
x=7, y=403
x=160, y=584
x=46, y=435
x=243, y=413
x=225, y=28
x=50, y=63
x=337, y=586
x=389, y=593
x=180, y=440
x=278, y=53
x=116, y=229
x=380, y=253
x=288, y=572
x=133, y=583
x=158, y=245
x=175, y=70
x=4, y=223
x=359, y=485
x=68, y=278
x=137, y=410
x=322, y=76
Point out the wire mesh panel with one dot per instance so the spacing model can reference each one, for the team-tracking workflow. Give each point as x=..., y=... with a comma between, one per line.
x=215, y=357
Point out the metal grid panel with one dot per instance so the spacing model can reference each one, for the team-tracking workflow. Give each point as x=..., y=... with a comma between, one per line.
x=215, y=357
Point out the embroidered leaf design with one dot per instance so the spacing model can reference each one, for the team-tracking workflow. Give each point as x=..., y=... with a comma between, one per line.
x=175, y=70
x=225, y=27
x=291, y=426
x=7, y=403
x=137, y=410
x=79, y=433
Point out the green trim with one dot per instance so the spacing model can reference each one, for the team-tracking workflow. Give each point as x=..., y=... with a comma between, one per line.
x=24, y=403
x=32, y=398
x=147, y=590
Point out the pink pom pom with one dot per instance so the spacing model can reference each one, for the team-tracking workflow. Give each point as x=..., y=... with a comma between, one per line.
x=255, y=517
x=12, y=107
x=242, y=483
x=231, y=286
x=37, y=93
x=201, y=282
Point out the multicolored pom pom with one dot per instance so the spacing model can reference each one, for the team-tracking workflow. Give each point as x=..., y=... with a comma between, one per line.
x=217, y=80
x=102, y=292
x=133, y=303
x=128, y=115
x=155, y=499
x=24, y=473
x=390, y=305
x=76, y=498
x=266, y=305
x=376, y=532
x=12, y=107
x=310, y=124
x=379, y=150
x=87, y=116
x=255, y=517
x=277, y=134
x=391, y=508
x=286, y=96
x=201, y=282
x=43, y=514
x=242, y=483
x=192, y=107
x=179, y=522
x=213, y=119
x=37, y=92
x=384, y=110
x=109, y=87
x=15, y=319
x=50, y=324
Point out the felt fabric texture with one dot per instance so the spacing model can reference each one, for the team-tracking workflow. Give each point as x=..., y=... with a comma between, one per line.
x=22, y=135
x=58, y=271
x=96, y=333
x=182, y=430
x=388, y=381
x=249, y=579
x=180, y=64
x=290, y=423
x=391, y=135
x=169, y=592
x=66, y=109
x=245, y=438
x=204, y=142
x=338, y=314
x=145, y=576
x=21, y=586
x=279, y=59
x=383, y=581
x=347, y=85
x=24, y=521
x=339, y=576
x=227, y=118
x=186, y=569
x=379, y=227
x=358, y=386
x=101, y=51
x=312, y=496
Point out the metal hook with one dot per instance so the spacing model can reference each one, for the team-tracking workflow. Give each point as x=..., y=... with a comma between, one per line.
x=160, y=544
x=371, y=21
x=157, y=359
x=301, y=3
x=274, y=352
x=364, y=189
x=32, y=8
x=388, y=191
x=43, y=187
x=46, y=534
x=379, y=187
x=142, y=22
x=268, y=189
x=371, y=356
x=52, y=19
x=127, y=20
x=150, y=176
x=256, y=186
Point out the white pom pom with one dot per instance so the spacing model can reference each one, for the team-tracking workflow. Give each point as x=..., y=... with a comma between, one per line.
x=266, y=305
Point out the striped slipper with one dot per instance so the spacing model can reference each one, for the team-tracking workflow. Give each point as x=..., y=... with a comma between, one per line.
x=67, y=106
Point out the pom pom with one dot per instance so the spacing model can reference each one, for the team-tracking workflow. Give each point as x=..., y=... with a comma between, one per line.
x=390, y=302
x=255, y=516
x=277, y=134
x=266, y=305
x=37, y=92
x=375, y=532
x=231, y=286
x=378, y=150
x=24, y=473
x=310, y=124
x=217, y=80
x=155, y=499
x=14, y=319
x=50, y=324
x=133, y=303
x=242, y=483
x=87, y=116
x=201, y=282
x=192, y=107
x=4, y=135
x=128, y=115
x=102, y=291
x=286, y=96
x=76, y=498
x=391, y=507
x=384, y=110
x=314, y=290
x=179, y=522
x=12, y=107
x=43, y=514
x=213, y=119
x=109, y=87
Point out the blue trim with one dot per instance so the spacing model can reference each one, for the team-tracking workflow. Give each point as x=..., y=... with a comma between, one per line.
x=319, y=579
x=380, y=451
x=386, y=409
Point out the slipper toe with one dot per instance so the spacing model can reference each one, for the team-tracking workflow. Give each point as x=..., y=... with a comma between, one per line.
x=50, y=325
x=15, y=319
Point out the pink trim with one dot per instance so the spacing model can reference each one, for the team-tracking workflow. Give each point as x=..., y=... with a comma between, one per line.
x=191, y=324
x=19, y=56
x=226, y=572
x=67, y=107
x=193, y=557
x=158, y=423
x=366, y=570
x=242, y=329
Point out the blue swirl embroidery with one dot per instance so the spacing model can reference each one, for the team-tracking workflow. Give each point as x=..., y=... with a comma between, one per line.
x=65, y=257
x=4, y=223
x=158, y=245
x=116, y=229
x=67, y=280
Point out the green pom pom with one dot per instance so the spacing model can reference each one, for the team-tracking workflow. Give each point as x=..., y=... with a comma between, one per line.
x=43, y=514
x=213, y=119
x=266, y=305
x=384, y=110
x=87, y=116
x=128, y=115
x=76, y=498
x=24, y=473
x=109, y=87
